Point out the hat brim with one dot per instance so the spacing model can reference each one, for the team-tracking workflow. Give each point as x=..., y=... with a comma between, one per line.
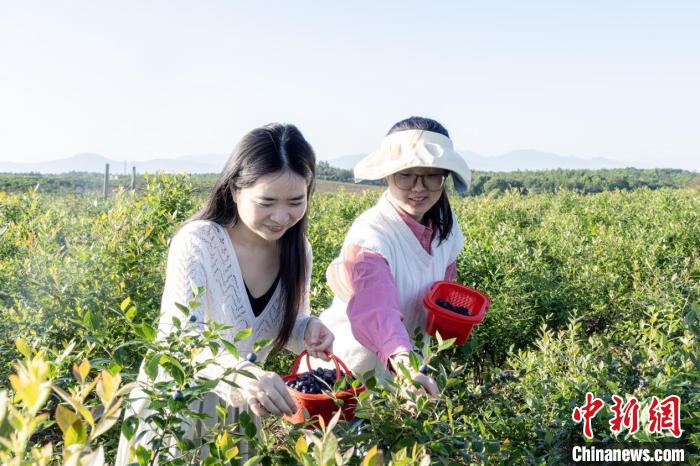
x=372, y=167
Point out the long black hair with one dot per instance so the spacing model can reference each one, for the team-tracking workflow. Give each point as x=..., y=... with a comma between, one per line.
x=270, y=149
x=439, y=214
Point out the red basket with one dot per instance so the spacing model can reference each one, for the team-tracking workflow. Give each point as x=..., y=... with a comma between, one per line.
x=448, y=323
x=321, y=404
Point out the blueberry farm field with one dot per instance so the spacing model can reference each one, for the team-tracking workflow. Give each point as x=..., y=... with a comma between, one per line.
x=590, y=293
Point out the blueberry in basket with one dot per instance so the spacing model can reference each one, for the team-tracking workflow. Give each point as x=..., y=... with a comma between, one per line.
x=451, y=307
x=314, y=381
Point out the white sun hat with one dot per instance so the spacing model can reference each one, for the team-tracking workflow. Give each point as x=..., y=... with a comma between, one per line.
x=415, y=148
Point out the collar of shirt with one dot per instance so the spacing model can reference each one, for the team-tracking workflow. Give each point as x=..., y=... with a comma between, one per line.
x=424, y=233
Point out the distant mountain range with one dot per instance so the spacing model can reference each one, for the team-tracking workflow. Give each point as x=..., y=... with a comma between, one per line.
x=213, y=163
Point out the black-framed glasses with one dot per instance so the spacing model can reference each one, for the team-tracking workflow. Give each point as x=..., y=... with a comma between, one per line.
x=431, y=182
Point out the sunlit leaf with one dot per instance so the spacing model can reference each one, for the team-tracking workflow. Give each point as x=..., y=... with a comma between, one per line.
x=301, y=446
x=81, y=371
x=75, y=434
x=23, y=348
x=262, y=343
x=243, y=335
x=374, y=457
x=65, y=417
x=124, y=304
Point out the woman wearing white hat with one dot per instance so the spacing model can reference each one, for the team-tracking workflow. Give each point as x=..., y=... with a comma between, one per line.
x=395, y=250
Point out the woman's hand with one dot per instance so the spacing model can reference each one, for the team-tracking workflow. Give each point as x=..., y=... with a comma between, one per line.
x=318, y=339
x=267, y=394
x=428, y=386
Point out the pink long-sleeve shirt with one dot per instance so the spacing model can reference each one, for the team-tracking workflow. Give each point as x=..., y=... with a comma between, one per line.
x=373, y=310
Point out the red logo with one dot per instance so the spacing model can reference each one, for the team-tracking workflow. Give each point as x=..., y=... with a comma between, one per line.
x=587, y=412
x=664, y=415
x=626, y=416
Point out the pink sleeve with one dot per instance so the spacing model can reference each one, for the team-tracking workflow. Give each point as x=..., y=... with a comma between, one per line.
x=373, y=310
x=451, y=272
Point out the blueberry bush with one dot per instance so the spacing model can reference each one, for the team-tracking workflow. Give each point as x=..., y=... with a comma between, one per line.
x=590, y=293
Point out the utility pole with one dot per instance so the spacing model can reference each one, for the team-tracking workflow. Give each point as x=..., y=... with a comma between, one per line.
x=106, y=183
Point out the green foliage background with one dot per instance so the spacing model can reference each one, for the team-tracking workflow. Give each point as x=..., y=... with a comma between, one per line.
x=590, y=293
x=524, y=182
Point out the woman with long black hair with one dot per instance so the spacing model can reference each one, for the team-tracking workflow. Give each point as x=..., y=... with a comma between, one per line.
x=248, y=248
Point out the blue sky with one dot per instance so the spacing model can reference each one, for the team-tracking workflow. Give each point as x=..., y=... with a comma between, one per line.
x=139, y=80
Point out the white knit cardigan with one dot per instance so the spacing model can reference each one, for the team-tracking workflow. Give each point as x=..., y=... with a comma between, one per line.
x=201, y=254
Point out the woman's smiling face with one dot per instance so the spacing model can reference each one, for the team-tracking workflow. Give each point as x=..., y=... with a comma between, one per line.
x=272, y=205
x=418, y=199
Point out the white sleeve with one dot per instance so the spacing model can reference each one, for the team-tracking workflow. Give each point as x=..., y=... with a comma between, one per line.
x=296, y=344
x=185, y=271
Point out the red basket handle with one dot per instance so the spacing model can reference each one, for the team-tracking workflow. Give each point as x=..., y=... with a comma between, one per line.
x=337, y=361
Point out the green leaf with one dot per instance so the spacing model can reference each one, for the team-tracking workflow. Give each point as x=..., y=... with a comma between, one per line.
x=145, y=331
x=221, y=412
x=404, y=371
x=152, y=364
x=330, y=447
x=76, y=404
x=301, y=446
x=211, y=461
x=76, y=434
x=122, y=356
x=231, y=349
x=415, y=362
x=125, y=303
x=184, y=309
x=262, y=343
x=243, y=335
x=254, y=461
x=175, y=370
x=248, y=425
x=129, y=315
x=493, y=446
x=129, y=426
x=194, y=304
x=65, y=418
x=231, y=453
x=195, y=289
x=222, y=440
x=4, y=401
x=246, y=373
x=438, y=337
x=88, y=320
x=446, y=344
x=107, y=421
x=374, y=457
x=143, y=455
x=81, y=371
x=114, y=367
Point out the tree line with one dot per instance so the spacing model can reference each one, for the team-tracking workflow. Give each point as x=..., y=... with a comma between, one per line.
x=483, y=182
